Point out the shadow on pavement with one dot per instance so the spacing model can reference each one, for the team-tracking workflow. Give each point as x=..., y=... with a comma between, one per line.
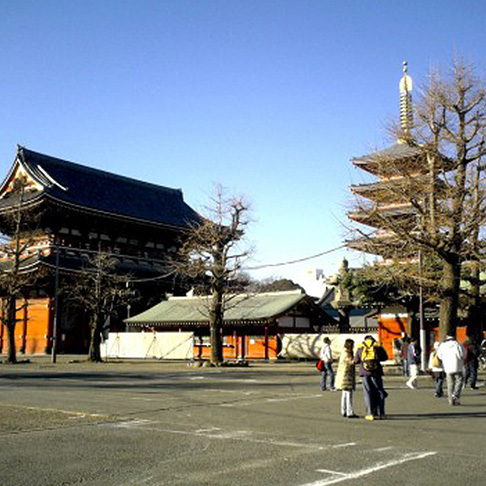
x=435, y=415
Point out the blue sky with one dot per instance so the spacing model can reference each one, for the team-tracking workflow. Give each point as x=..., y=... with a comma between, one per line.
x=270, y=98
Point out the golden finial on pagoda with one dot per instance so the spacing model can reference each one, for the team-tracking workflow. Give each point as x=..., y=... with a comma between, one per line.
x=406, y=109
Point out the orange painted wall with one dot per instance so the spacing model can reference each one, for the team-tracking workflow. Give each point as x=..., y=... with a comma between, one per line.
x=32, y=328
x=390, y=328
x=254, y=348
x=460, y=333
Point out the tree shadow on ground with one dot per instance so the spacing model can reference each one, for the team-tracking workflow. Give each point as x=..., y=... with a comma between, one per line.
x=436, y=415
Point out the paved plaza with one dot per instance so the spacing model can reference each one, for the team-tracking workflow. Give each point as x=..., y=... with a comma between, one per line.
x=157, y=423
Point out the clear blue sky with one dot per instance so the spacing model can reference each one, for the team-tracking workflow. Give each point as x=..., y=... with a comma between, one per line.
x=269, y=98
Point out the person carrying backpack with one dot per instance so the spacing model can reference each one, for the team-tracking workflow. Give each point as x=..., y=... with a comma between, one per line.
x=369, y=357
x=437, y=370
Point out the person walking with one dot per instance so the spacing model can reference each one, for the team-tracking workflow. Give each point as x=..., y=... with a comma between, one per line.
x=437, y=370
x=451, y=353
x=346, y=379
x=413, y=359
x=404, y=355
x=369, y=357
x=471, y=363
x=326, y=357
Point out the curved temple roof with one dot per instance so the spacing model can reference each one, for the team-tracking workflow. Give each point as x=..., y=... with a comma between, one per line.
x=101, y=191
x=242, y=308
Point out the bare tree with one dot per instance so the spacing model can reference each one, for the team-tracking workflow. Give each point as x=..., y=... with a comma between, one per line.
x=98, y=290
x=20, y=232
x=433, y=201
x=211, y=258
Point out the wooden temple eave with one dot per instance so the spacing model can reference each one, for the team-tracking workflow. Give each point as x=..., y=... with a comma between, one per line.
x=377, y=217
x=418, y=184
x=374, y=246
x=19, y=173
x=115, y=216
x=202, y=323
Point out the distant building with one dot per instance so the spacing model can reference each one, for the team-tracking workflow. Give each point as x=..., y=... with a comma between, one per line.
x=313, y=281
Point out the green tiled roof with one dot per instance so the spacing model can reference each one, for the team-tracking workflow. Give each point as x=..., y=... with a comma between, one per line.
x=190, y=310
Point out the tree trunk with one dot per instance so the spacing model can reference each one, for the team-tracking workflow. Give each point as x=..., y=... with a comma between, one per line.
x=450, y=298
x=94, y=354
x=473, y=312
x=216, y=326
x=11, y=314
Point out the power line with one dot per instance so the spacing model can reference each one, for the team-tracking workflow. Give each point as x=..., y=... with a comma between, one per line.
x=291, y=262
x=150, y=279
x=258, y=267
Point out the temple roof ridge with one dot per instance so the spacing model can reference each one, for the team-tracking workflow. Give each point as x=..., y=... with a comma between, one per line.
x=94, y=190
x=94, y=170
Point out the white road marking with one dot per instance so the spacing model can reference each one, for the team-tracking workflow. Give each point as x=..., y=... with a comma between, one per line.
x=67, y=412
x=364, y=472
x=382, y=449
x=200, y=431
x=348, y=444
x=240, y=380
x=239, y=392
x=268, y=400
x=216, y=433
x=337, y=473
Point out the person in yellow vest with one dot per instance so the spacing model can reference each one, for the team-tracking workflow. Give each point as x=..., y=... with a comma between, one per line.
x=346, y=379
x=369, y=356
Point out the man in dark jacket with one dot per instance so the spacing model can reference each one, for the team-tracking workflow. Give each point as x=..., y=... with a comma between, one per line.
x=369, y=357
x=471, y=363
x=413, y=356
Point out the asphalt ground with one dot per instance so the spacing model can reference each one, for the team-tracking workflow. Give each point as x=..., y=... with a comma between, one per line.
x=156, y=423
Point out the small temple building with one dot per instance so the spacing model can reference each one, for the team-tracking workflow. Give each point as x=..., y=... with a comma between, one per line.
x=80, y=211
x=255, y=326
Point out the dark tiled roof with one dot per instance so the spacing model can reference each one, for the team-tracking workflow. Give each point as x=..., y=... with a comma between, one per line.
x=98, y=190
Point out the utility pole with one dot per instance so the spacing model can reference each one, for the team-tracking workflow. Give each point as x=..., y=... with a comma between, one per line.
x=56, y=306
x=422, y=336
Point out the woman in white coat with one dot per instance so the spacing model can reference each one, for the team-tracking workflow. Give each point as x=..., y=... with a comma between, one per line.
x=346, y=379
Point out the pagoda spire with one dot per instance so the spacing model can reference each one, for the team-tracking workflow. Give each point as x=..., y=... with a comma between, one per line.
x=406, y=109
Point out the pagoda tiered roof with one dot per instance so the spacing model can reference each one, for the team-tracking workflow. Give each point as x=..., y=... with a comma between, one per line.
x=386, y=189
x=373, y=215
x=400, y=151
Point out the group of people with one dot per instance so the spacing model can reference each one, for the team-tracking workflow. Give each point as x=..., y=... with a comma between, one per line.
x=449, y=360
x=368, y=356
